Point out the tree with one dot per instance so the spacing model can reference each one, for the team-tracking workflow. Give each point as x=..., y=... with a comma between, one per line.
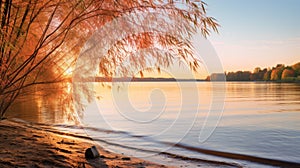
x=277, y=72
x=296, y=68
x=288, y=73
x=40, y=40
x=238, y=76
x=257, y=70
x=258, y=74
x=267, y=75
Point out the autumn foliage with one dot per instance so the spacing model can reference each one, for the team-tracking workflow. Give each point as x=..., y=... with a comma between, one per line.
x=278, y=73
x=41, y=40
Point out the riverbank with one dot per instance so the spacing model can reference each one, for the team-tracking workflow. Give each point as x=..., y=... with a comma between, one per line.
x=27, y=145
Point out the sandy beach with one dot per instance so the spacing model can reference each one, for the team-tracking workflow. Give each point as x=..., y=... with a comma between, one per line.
x=27, y=145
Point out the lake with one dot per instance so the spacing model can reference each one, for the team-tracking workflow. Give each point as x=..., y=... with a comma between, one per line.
x=245, y=123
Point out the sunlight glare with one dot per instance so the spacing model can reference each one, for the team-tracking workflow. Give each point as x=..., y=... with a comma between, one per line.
x=68, y=71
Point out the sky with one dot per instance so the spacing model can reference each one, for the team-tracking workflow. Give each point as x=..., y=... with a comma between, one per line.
x=256, y=33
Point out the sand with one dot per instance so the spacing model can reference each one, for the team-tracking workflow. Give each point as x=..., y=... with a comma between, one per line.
x=27, y=145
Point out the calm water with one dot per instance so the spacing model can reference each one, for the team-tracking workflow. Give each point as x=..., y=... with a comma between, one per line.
x=251, y=119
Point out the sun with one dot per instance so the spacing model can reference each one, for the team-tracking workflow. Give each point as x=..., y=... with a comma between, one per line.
x=68, y=72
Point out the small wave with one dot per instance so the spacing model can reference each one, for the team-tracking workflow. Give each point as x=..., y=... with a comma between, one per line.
x=171, y=155
x=229, y=155
x=261, y=160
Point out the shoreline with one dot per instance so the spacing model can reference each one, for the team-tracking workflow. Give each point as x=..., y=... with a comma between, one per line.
x=24, y=145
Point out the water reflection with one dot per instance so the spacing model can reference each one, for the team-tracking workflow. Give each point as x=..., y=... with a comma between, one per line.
x=259, y=119
x=45, y=104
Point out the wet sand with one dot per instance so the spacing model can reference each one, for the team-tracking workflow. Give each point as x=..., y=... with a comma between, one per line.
x=27, y=145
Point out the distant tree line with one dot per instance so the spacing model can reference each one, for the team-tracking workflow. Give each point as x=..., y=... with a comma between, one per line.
x=280, y=73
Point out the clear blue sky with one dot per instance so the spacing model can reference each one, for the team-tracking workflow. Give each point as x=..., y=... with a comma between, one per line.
x=256, y=32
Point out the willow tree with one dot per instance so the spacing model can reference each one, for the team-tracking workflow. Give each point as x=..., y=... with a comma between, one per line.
x=41, y=40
